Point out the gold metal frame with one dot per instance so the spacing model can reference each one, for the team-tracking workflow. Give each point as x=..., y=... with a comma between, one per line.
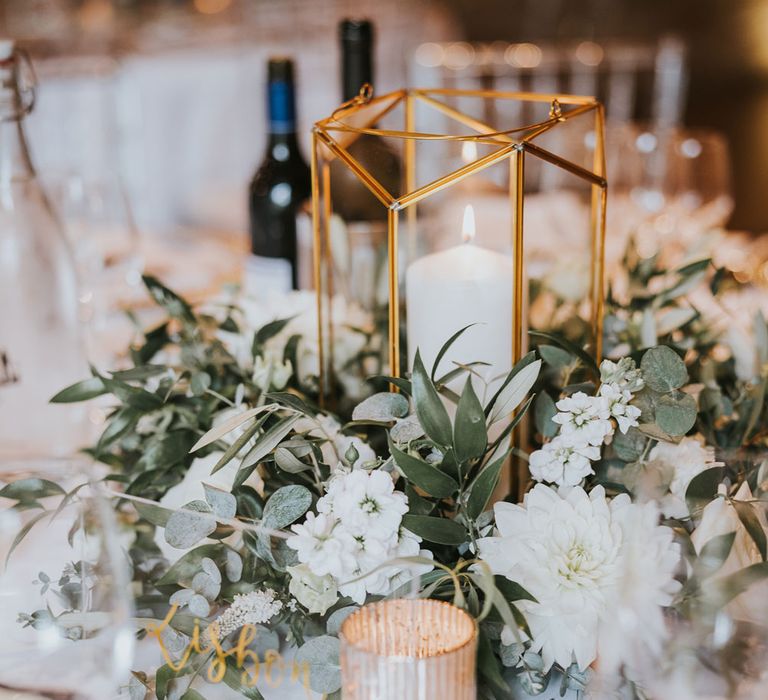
x=328, y=136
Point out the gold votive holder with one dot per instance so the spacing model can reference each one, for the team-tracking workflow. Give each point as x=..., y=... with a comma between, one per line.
x=408, y=649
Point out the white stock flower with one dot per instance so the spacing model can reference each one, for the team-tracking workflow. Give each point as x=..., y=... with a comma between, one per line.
x=356, y=531
x=624, y=374
x=584, y=418
x=563, y=463
x=719, y=518
x=685, y=460
x=315, y=593
x=322, y=544
x=366, y=503
x=617, y=401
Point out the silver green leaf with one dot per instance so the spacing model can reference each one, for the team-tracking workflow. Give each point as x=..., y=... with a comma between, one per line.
x=383, y=407
x=321, y=654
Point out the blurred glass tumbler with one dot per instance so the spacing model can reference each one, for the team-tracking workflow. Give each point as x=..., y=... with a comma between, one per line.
x=408, y=649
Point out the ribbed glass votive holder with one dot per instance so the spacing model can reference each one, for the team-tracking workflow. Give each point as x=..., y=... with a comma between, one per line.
x=408, y=649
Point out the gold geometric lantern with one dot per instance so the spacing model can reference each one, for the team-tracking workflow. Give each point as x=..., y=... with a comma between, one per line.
x=496, y=158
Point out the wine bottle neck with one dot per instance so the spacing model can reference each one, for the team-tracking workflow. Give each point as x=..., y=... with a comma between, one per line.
x=282, y=108
x=282, y=146
x=356, y=38
x=16, y=100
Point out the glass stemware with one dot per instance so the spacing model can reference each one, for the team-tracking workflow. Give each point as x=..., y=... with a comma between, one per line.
x=65, y=610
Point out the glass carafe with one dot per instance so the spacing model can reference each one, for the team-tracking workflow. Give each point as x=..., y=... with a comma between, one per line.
x=40, y=340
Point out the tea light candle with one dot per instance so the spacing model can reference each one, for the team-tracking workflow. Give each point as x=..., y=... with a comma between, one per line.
x=453, y=288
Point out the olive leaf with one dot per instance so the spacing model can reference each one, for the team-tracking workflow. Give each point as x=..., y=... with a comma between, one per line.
x=429, y=406
x=514, y=392
x=437, y=530
x=470, y=437
x=426, y=476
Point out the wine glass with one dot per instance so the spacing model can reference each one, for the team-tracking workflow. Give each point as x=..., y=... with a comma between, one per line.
x=65, y=610
x=98, y=221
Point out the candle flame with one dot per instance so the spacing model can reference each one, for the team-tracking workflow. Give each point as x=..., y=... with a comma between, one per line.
x=468, y=226
x=469, y=152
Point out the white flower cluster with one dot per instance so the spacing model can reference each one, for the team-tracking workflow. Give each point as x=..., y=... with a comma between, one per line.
x=586, y=423
x=254, y=608
x=357, y=528
x=583, y=558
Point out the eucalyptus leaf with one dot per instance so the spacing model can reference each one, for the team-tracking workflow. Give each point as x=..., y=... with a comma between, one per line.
x=663, y=370
x=185, y=528
x=337, y=617
x=286, y=505
x=210, y=568
x=630, y=446
x=383, y=407
x=406, y=430
x=205, y=586
x=676, y=413
x=321, y=655
x=198, y=605
x=185, y=568
x=223, y=503
x=234, y=566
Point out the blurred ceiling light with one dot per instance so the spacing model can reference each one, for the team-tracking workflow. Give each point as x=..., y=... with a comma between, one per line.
x=524, y=55
x=690, y=148
x=469, y=152
x=430, y=55
x=589, y=53
x=211, y=7
x=646, y=142
x=459, y=55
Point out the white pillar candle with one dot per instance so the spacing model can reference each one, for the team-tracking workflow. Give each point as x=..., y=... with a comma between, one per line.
x=451, y=289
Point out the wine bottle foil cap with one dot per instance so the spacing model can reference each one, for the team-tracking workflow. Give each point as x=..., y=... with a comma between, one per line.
x=280, y=68
x=356, y=31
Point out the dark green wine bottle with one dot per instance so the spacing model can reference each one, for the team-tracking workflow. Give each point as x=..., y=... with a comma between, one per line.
x=278, y=190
